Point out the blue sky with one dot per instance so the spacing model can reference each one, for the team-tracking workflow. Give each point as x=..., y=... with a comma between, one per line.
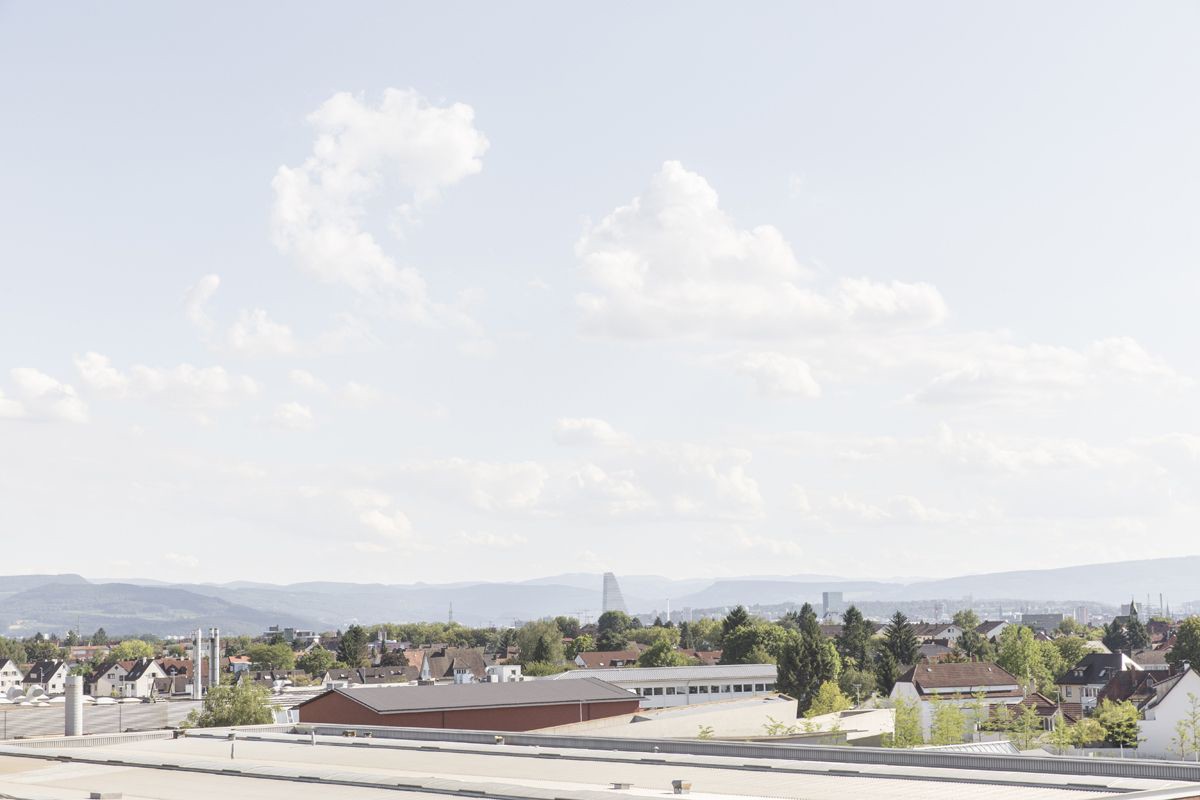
x=392, y=292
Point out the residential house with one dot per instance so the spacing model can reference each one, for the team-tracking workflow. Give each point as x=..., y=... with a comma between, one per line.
x=958, y=684
x=1084, y=681
x=50, y=675
x=504, y=673
x=991, y=629
x=88, y=652
x=1153, y=661
x=936, y=632
x=454, y=665
x=1138, y=686
x=933, y=652
x=607, y=659
x=10, y=675
x=140, y=678
x=1048, y=710
x=1176, y=700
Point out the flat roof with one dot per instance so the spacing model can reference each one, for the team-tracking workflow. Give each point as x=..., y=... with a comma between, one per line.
x=450, y=697
x=716, y=672
x=291, y=767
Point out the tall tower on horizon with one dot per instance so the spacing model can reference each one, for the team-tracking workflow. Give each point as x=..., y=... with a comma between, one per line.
x=613, y=599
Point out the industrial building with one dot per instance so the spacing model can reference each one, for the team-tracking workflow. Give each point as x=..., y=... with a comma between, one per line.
x=516, y=706
x=298, y=764
x=664, y=687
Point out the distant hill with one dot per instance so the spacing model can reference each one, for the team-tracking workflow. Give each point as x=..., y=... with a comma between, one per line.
x=29, y=603
x=122, y=608
x=11, y=584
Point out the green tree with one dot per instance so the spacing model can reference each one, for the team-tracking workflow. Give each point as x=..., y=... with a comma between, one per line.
x=131, y=650
x=568, y=626
x=1186, y=647
x=662, y=654
x=854, y=641
x=1071, y=627
x=352, y=648
x=1136, y=635
x=1019, y=653
x=1053, y=666
x=828, y=700
x=317, y=661
x=756, y=642
x=1026, y=728
x=900, y=640
x=966, y=619
x=906, y=727
x=649, y=636
x=612, y=631
x=887, y=671
x=244, y=703
x=12, y=649
x=977, y=709
x=100, y=637
x=39, y=648
x=1071, y=649
x=71, y=640
x=538, y=669
x=540, y=641
x=946, y=722
x=271, y=656
x=583, y=643
x=807, y=661
x=734, y=620
x=1120, y=723
x=703, y=634
x=1114, y=637
x=856, y=683
x=1186, y=741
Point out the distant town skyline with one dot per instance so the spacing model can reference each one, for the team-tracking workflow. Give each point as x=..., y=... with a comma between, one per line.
x=405, y=294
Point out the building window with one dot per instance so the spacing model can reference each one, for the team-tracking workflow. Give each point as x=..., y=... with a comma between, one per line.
x=693, y=689
x=726, y=689
x=658, y=690
x=759, y=687
x=670, y=690
x=703, y=689
x=770, y=687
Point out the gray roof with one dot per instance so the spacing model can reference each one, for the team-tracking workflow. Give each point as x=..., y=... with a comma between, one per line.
x=1093, y=669
x=400, y=699
x=715, y=672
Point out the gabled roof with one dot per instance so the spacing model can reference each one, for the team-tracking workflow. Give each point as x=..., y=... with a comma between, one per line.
x=1135, y=685
x=450, y=697
x=42, y=671
x=607, y=659
x=139, y=668
x=990, y=627
x=445, y=663
x=968, y=677
x=1094, y=669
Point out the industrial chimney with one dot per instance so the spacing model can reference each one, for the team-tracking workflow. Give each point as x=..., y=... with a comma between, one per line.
x=197, y=666
x=214, y=657
x=74, y=706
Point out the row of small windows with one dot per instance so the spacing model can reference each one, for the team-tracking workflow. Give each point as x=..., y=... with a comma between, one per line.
x=649, y=691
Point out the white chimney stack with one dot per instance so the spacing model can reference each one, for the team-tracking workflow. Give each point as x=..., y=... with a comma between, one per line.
x=74, y=706
x=214, y=657
x=198, y=666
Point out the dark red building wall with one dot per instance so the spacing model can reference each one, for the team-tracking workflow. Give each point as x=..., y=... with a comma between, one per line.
x=335, y=709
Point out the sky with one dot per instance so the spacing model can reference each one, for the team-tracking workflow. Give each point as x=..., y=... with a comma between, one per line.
x=408, y=292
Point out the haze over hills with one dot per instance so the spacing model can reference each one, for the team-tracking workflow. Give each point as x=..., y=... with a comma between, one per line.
x=30, y=603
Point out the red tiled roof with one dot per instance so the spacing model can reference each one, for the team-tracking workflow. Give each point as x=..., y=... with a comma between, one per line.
x=972, y=674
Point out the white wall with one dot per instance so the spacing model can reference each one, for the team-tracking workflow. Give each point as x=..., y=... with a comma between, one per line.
x=1158, y=729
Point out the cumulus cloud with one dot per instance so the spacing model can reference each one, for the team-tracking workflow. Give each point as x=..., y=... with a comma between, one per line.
x=779, y=375
x=672, y=263
x=184, y=386
x=376, y=513
x=41, y=397
x=1001, y=373
x=303, y=379
x=587, y=431
x=197, y=298
x=360, y=395
x=498, y=541
x=254, y=333
x=1020, y=454
x=319, y=209
x=293, y=416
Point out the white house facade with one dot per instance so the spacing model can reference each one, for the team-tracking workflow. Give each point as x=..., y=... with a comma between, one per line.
x=1177, y=703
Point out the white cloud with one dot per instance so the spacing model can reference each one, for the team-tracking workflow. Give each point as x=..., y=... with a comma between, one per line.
x=389, y=524
x=181, y=559
x=498, y=541
x=360, y=395
x=197, y=297
x=320, y=205
x=293, y=416
x=898, y=509
x=184, y=386
x=1022, y=454
x=673, y=264
x=773, y=546
x=254, y=333
x=303, y=379
x=1001, y=373
x=587, y=431
x=778, y=374
x=41, y=397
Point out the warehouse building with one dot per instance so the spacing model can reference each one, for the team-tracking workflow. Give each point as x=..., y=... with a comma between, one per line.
x=520, y=706
x=665, y=687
